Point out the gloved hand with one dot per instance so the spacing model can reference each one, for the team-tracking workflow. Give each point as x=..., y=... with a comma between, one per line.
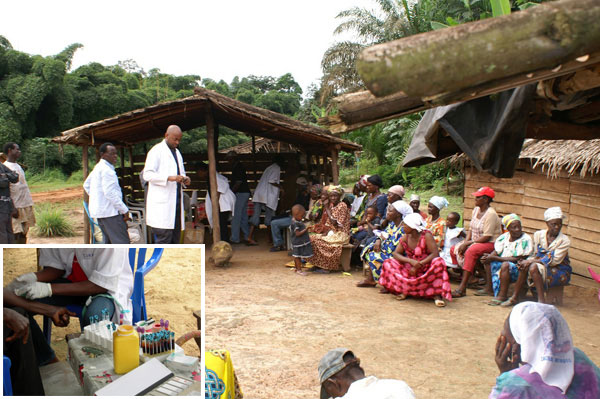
x=22, y=281
x=35, y=290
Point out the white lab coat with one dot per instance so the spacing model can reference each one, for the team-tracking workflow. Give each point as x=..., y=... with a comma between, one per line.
x=226, y=198
x=265, y=192
x=106, y=267
x=162, y=194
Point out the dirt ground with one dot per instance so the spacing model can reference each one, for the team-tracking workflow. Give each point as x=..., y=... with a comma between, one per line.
x=173, y=291
x=62, y=195
x=277, y=325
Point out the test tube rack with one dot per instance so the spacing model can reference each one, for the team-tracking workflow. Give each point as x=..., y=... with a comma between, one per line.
x=100, y=333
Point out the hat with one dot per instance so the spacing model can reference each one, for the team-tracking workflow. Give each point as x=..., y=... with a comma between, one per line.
x=397, y=189
x=485, y=191
x=375, y=180
x=330, y=364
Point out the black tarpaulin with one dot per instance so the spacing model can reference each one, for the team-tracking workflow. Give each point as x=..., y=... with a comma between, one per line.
x=489, y=130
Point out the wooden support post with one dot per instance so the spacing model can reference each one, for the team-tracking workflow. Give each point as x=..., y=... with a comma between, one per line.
x=334, y=166
x=86, y=198
x=212, y=175
x=325, y=169
x=254, y=158
x=97, y=154
x=122, y=156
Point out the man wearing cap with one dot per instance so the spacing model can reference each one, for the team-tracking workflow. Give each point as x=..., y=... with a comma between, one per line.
x=341, y=376
x=549, y=264
x=484, y=228
x=415, y=203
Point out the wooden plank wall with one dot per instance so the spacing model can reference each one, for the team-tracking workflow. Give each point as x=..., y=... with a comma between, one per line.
x=530, y=192
x=131, y=185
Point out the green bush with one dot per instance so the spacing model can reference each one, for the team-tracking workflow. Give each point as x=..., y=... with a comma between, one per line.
x=51, y=221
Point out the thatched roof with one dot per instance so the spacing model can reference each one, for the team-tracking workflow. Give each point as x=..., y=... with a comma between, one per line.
x=151, y=122
x=262, y=145
x=572, y=156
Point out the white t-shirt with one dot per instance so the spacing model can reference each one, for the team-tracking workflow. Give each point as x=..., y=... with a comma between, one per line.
x=356, y=204
x=452, y=237
x=106, y=267
x=19, y=191
x=226, y=198
x=267, y=193
x=374, y=388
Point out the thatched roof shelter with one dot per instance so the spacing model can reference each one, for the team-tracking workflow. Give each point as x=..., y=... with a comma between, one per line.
x=261, y=145
x=581, y=157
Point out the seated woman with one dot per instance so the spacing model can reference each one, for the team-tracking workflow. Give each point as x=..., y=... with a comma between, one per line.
x=332, y=234
x=435, y=223
x=537, y=359
x=314, y=205
x=416, y=268
x=483, y=231
x=383, y=247
x=317, y=214
x=510, y=248
x=548, y=266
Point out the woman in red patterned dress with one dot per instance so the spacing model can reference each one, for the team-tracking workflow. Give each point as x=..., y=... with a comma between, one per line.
x=416, y=268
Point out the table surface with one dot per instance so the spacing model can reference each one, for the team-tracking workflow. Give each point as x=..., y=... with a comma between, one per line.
x=94, y=373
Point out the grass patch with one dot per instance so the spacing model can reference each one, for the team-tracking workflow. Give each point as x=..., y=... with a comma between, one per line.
x=53, y=179
x=51, y=221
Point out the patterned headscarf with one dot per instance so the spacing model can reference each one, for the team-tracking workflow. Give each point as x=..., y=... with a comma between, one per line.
x=414, y=221
x=546, y=342
x=363, y=180
x=438, y=202
x=335, y=189
x=317, y=187
x=553, y=213
x=508, y=219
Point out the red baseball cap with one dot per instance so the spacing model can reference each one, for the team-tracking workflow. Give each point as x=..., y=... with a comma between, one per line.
x=485, y=191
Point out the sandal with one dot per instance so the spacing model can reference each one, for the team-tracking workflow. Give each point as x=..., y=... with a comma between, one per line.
x=439, y=303
x=509, y=302
x=300, y=272
x=482, y=292
x=366, y=283
x=400, y=297
x=495, y=302
x=383, y=291
x=458, y=294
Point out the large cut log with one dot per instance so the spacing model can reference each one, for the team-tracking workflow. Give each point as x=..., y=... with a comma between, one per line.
x=468, y=55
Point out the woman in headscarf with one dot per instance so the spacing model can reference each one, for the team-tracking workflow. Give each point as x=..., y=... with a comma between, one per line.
x=483, y=230
x=377, y=251
x=416, y=268
x=435, y=223
x=510, y=248
x=548, y=266
x=395, y=193
x=319, y=217
x=415, y=203
x=537, y=359
x=334, y=232
x=315, y=210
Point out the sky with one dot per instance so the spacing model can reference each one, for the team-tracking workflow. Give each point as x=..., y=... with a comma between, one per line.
x=213, y=39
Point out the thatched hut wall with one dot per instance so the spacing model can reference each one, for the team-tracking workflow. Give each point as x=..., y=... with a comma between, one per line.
x=531, y=191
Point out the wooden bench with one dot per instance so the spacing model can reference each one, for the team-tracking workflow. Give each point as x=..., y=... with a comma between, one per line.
x=346, y=256
x=554, y=295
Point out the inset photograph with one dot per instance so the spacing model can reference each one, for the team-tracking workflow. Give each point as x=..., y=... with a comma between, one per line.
x=102, y=321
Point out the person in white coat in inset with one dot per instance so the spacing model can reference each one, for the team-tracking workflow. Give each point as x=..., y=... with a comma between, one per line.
x=166, y=177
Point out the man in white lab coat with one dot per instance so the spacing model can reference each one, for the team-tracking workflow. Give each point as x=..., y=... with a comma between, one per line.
x=166, y=177
x=226, y=199
x=266, y=196
x=106, y=197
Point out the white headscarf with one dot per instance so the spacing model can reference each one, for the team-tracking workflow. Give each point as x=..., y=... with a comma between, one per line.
x=402, y=208
x=414, y=221
x=553, y=213
x=438, y=202
x=415, y=197
x=546, y=343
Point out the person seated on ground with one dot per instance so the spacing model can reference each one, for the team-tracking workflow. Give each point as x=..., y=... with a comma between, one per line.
x=341, y=376
x=280, y=223
x=434, y=222
x=484, y=228
x=416, y=268
x=548, y=266
x=59, y=315
x=537, y=359
x=360, y=201
x=99, y=279
x=371, y=222
x=510, y=248
x=225, y=197
x=334, y=233
x=382, y=247
x=301, y=246
x=395, y=193
x=453, y=235
x=415, y=203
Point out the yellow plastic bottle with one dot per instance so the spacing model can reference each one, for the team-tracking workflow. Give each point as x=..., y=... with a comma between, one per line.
x=126, y=352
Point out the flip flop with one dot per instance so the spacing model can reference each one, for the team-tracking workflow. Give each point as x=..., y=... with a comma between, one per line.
x=508, y=303
x=301, y=273
x=383, y=291
x=495, y=302
x=439, y=303
x=482, y=292
x=458, y=294
x=400, y=297
x=364, y=283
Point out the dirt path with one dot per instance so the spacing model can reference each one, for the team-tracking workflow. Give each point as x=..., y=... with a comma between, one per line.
x=173, y=291
x=63, y=195
x=277, y=325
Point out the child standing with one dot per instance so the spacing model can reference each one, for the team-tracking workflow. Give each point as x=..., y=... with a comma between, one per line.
x=301, y=245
